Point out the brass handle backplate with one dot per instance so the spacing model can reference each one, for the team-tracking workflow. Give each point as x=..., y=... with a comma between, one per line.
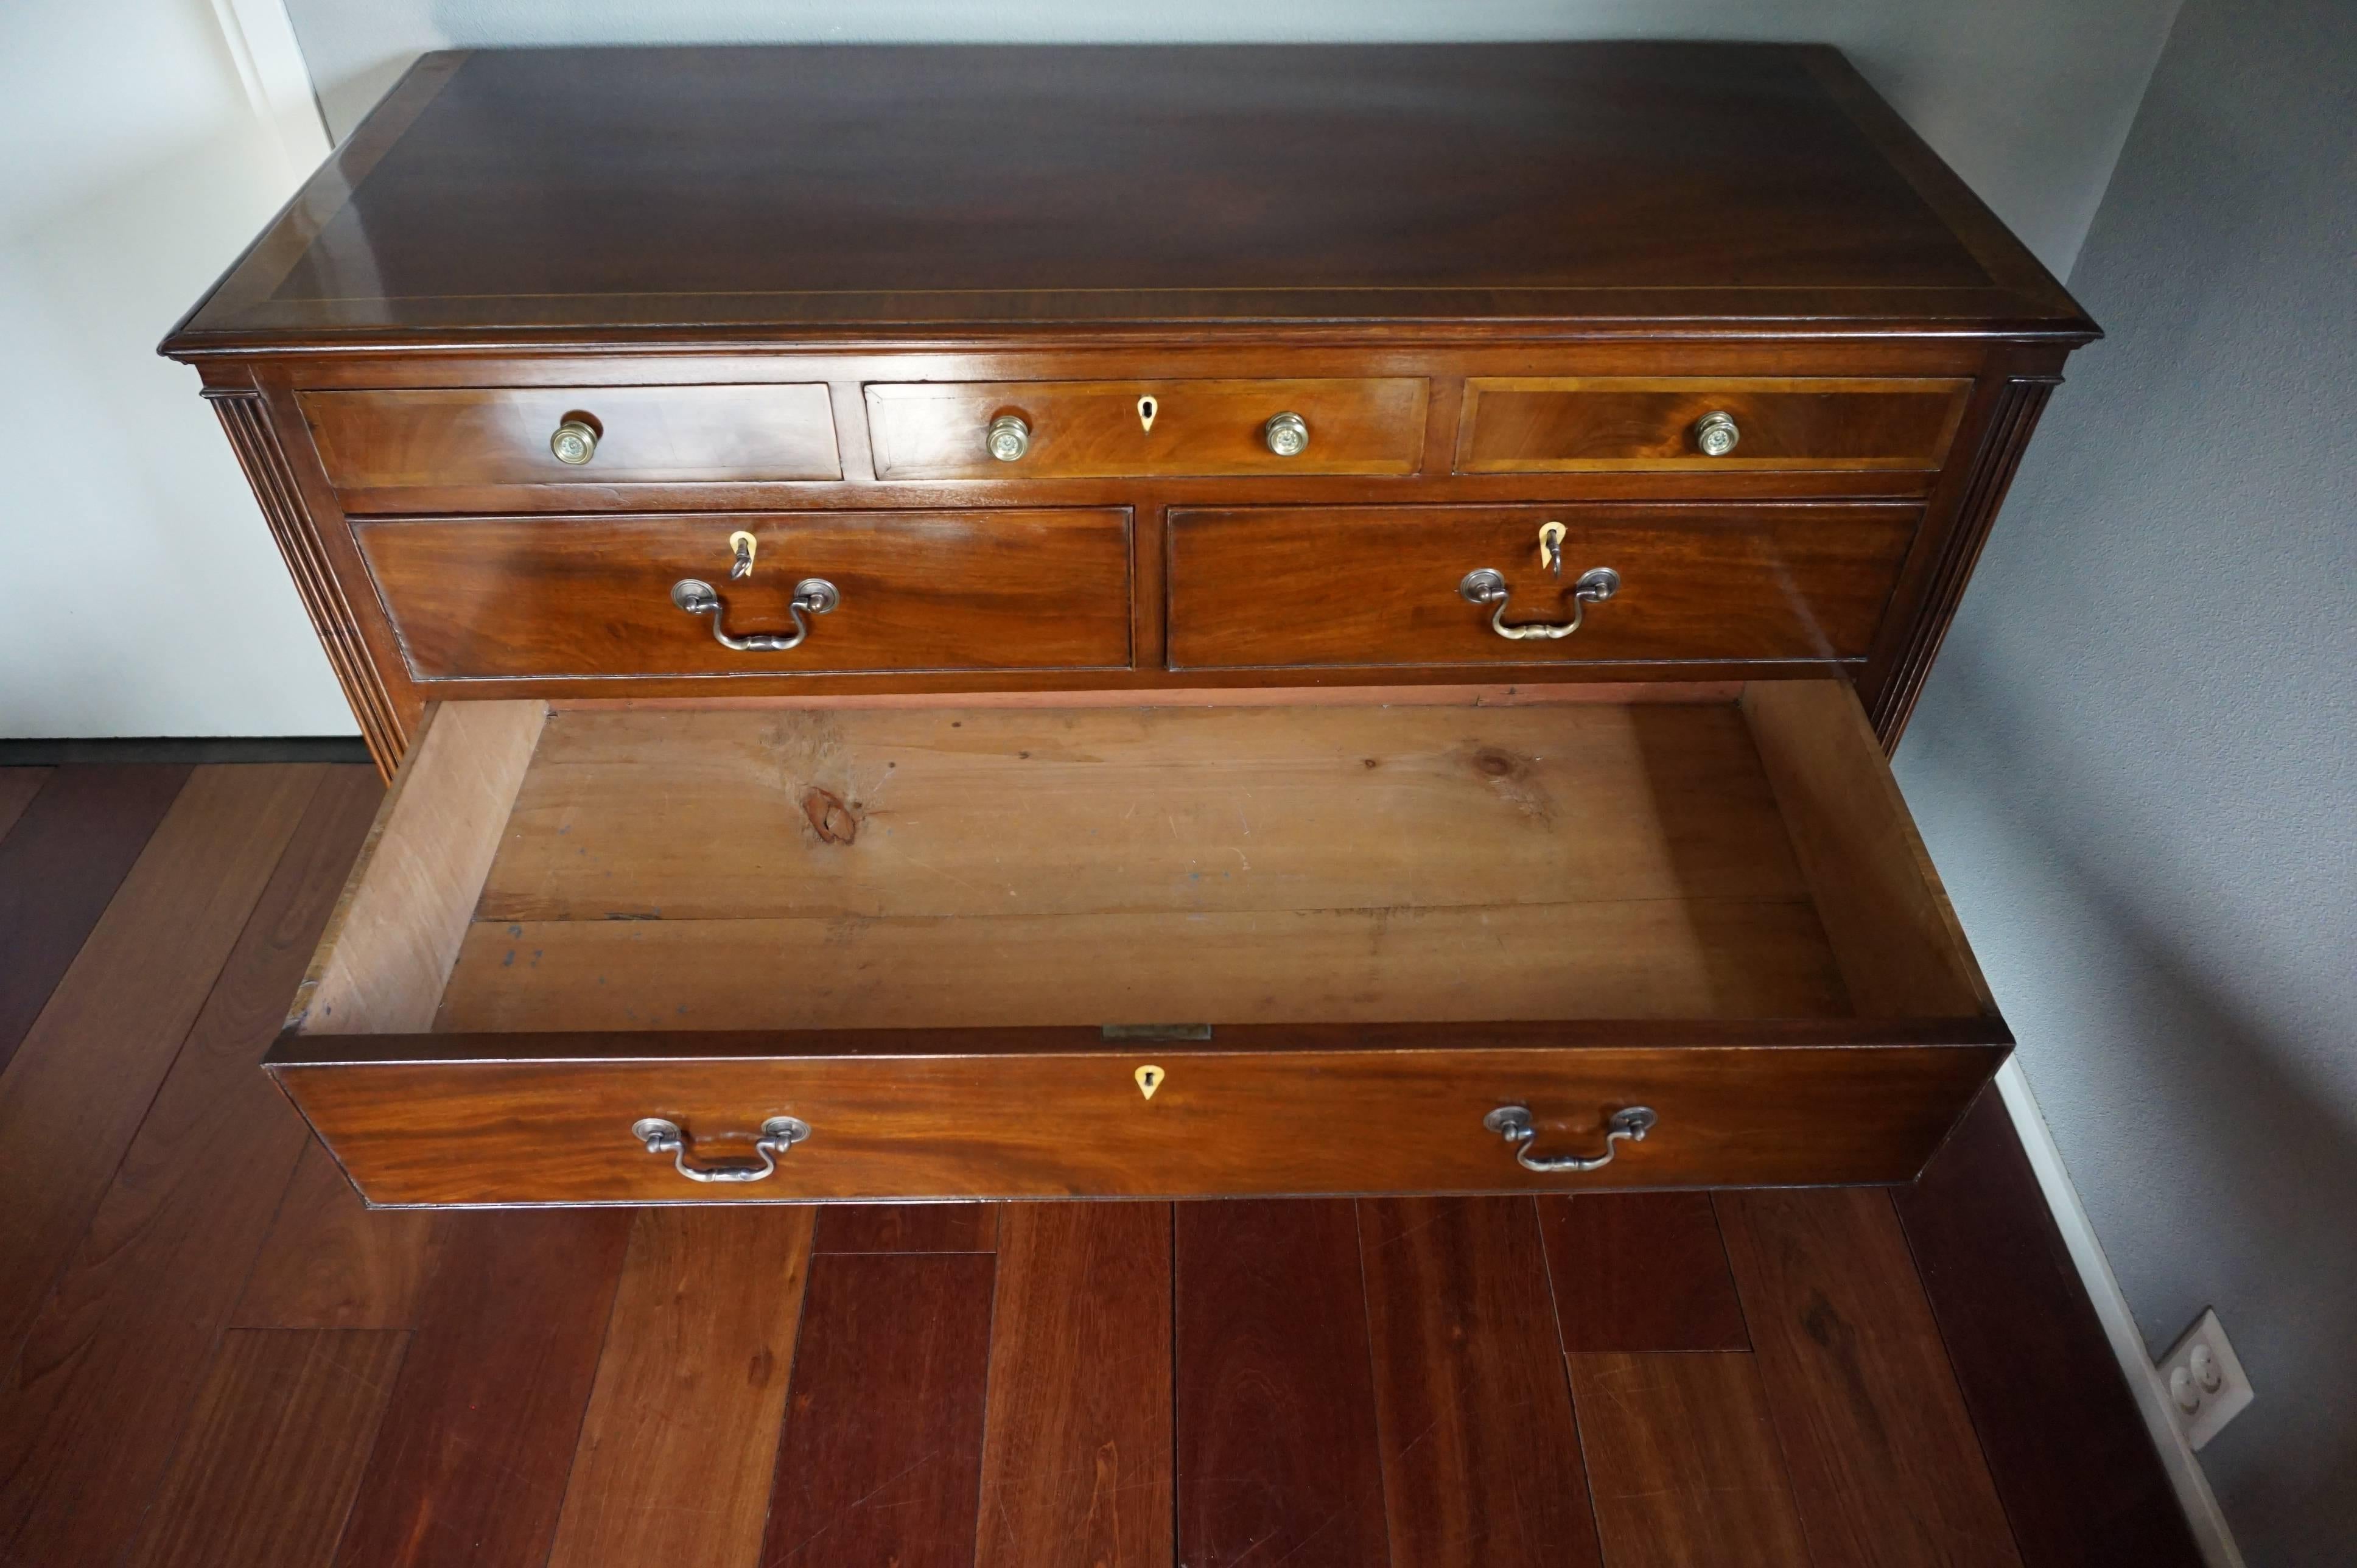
x=779, y=1134
x=1513, y=1124
x=1488, y=587
x=813, y=596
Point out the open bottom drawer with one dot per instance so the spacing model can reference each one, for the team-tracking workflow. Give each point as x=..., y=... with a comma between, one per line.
x=954, y=947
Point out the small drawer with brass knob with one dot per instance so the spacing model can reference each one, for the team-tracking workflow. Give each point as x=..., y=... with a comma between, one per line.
x=1531, y=424
x=1007, y=430
x=389, y=450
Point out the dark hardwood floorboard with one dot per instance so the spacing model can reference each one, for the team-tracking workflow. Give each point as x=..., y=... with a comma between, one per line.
x=1683, y=1461
x=1641, y=1271
x=471, y=1469
x=78, y=1086
x=908, y=1228
x=119, y=1349
x=680, y=1445
x=1481, y=1452
x=1276, y=1449
x=272, y=1452
x=1883, y=1458
x=71, y=846
x=1076, y=1466
x=330, y=1262
x=2064, y=1441
x=881, y=1460
x=18, y=787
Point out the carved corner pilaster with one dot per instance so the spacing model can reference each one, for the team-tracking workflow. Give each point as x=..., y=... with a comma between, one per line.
x=265, y=462
x=2007, y=434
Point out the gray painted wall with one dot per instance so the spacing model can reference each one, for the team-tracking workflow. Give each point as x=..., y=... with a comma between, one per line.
x=2029, y=98
x=2136, y=759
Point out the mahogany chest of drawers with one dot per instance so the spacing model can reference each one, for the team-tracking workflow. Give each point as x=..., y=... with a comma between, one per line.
x=987, y=622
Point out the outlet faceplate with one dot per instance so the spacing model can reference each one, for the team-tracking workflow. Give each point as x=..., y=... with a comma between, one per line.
x=2203, y=1381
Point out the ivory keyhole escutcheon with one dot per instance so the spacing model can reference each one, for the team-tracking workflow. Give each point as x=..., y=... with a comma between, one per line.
x=1146, y=409
x=741, y=547
x=1149, y=1078
x=1551, y=546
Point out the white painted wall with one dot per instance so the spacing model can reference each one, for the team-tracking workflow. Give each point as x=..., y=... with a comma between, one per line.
x=2135, y=761
x=139, y=591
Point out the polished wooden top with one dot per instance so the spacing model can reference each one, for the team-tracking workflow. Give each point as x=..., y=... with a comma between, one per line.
x=834, y=194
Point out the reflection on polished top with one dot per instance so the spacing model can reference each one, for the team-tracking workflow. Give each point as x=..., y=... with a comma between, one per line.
x=743, y=193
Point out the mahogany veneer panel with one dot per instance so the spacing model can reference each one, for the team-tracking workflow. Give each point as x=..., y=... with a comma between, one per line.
x=392, y=440
x=1538, y=424
x=1099, y=429
x=486, y=597
x=1459, y=183
x=1045, y=1124
x=1299, y=587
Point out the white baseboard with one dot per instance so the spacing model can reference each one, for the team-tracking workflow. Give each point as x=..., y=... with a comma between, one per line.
x=2193, y=1493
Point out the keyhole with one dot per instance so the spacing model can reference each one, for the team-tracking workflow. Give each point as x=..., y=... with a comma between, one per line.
x=1146, y=409
x=1551, y=536
x=1149, y=1078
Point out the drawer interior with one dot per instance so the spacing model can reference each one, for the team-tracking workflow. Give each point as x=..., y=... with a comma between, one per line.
x=1682, y=853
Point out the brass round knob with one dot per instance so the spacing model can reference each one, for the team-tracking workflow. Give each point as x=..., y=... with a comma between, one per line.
x=1287, y=434
x=1009, y=438
x=574, y=443
x=1715, y=434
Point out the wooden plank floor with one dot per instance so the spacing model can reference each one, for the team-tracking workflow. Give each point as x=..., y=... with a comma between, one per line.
x=215, y=1356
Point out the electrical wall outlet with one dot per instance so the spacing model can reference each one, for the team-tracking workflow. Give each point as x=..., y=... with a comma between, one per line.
x=2203, y=1381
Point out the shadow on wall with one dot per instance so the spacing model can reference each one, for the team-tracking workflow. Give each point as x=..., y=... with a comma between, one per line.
x=346, y=100
x=2147, y=1062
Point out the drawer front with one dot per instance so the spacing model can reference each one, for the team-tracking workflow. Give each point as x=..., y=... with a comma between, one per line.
x=1308, y=586
x=1052, y=1126
x=579, y=596
x=1112, y=429
x=498, y=435
x=1525, y=424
